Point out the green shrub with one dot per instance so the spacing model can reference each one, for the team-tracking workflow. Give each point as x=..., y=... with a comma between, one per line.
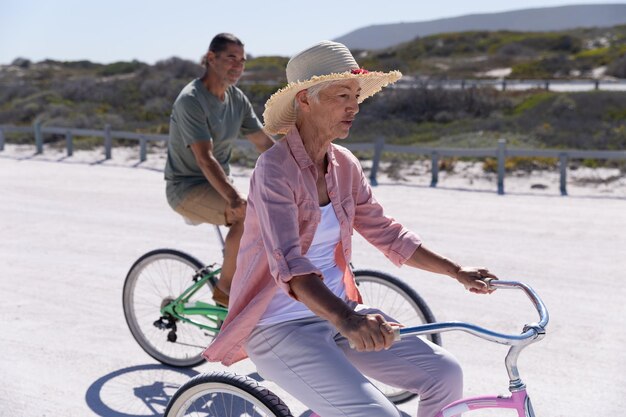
x=533, y=101
x=275, y=63
x=121, y=67
x=547, y=67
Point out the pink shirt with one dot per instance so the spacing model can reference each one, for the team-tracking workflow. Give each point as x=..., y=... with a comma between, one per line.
x=281, y=218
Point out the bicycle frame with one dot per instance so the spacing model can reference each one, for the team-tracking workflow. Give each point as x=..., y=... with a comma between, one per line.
x=181, y=309
x=519, y=401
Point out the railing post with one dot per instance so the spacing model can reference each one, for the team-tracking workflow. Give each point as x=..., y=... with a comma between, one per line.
x=597, y=84
x=462, y=84
x=503, y=85
x=547, y=85
x=38, y=138
x=434, y=168
x=563, y=168
x=501, y=159
x=69, y=143
x=1, y=139
x=378, y=150
x=142, y=149
x=108, y=141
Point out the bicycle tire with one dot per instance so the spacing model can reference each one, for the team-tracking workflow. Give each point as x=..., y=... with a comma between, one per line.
x=156, y=277
x=396, y=298
x=222, y=394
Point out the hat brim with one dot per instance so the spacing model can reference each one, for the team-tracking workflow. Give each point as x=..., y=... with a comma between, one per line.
x=280, y=114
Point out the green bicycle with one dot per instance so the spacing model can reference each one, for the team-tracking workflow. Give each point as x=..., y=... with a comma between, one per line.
x=168, y=307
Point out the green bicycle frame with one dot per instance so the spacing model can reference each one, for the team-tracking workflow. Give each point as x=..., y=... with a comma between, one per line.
x=181, y=308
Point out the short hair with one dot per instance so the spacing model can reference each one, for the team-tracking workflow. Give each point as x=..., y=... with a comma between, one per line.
x=219, y=43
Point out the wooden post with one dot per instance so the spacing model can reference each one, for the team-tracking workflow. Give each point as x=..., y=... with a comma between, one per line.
x=434, y=168
x=462, y=84
x=503, y=85
x=1, y=139
x=69, y=143
x=378, y=150
x=108, y=141
x=563, y=168
x=38, y=138
x=501, y=159
x=597, y=84
x=547, y=85
x=142, y=149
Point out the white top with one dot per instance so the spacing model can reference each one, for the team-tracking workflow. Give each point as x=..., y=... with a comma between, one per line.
x=322, y=254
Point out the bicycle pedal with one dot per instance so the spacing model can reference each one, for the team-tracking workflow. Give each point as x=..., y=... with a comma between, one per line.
x=171, y=336
x=160, y=324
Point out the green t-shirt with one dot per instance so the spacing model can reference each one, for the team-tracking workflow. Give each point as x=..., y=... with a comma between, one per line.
x=197, y=115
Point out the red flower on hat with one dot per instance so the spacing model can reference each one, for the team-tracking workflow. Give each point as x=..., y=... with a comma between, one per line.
x=359, y=71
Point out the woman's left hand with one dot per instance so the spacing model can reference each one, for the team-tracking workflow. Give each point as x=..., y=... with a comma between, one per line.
x=472, y=279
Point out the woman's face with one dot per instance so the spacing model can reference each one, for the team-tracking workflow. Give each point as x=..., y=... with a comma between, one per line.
x=335, y=108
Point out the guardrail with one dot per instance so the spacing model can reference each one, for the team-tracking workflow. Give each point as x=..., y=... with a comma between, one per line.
x=107, y=134
x=514, y=84
x=501, y=152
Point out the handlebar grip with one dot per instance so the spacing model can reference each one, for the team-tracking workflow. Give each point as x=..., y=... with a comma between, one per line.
x=396, y=333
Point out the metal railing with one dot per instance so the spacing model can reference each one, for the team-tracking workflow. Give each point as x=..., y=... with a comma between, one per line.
x=500, y=153
x=504, y=84
x=106, y=134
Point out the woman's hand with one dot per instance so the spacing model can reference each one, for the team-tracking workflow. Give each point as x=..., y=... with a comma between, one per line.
x=472, y=279
x=367, y=332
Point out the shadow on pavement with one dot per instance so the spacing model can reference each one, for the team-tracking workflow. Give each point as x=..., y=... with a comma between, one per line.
x=145, y=390
x=142, y=390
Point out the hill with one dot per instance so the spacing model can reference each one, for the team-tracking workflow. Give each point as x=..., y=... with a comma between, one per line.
x=576, y=53
x=525, y=20
x=136, y=96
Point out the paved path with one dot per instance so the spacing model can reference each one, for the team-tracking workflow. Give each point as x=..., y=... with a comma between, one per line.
x=69, y=232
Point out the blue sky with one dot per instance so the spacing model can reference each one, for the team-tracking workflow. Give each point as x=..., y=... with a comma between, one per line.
x=116, y=30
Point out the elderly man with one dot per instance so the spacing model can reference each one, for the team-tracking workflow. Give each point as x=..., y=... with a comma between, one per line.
x=294, y=303
x=207, y=117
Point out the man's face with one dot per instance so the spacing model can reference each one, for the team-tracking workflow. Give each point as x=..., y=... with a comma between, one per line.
x=336, y=108
x=228, y=65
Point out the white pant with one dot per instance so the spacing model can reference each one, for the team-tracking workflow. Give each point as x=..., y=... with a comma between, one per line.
x=309, y=359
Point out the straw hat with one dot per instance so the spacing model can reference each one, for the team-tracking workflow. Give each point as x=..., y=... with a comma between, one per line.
x=325, y=61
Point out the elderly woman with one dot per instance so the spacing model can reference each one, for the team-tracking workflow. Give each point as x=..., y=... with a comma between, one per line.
x=294, y=307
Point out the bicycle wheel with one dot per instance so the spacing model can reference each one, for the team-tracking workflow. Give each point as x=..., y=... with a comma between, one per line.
x=221, y=394
x=154, y=280
x=401, y=302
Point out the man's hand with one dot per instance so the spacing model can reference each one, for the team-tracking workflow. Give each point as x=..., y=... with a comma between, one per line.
x=236, y=210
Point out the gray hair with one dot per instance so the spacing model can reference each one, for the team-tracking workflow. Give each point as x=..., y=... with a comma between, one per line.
x=313, y=92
